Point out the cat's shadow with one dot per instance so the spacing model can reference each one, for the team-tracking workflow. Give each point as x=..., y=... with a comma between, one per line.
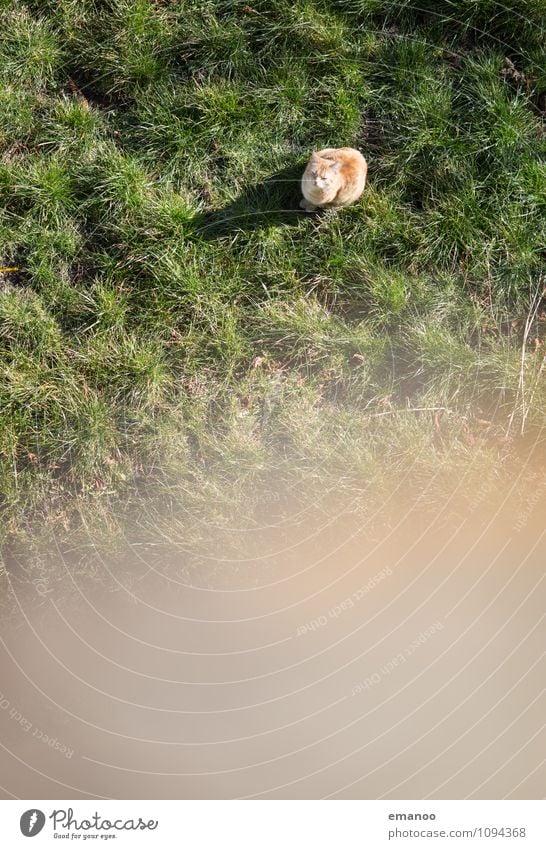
x=273, y=201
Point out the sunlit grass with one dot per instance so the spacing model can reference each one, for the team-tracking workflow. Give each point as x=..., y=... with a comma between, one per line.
x=146, y=351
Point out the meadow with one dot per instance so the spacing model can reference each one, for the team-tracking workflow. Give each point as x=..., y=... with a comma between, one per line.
x=179, y=336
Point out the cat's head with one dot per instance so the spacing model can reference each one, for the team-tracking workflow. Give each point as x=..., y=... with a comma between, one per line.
x=323, y=172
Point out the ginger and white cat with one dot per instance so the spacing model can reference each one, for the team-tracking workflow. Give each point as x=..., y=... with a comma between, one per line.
x=334, y=177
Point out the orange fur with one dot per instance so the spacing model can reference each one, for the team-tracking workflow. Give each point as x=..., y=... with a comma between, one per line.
x=334, y=177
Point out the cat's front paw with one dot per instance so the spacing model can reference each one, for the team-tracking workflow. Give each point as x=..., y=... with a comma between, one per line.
x=307, y=205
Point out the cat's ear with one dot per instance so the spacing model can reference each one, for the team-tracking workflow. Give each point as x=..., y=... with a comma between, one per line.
x=335, y=166
x=314, y=156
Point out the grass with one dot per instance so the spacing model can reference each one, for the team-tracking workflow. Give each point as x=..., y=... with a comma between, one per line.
x=179, y=333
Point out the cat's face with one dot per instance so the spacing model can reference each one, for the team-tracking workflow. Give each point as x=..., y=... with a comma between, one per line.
x=323, y=173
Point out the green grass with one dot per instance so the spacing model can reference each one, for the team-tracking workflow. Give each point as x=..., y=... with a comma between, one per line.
x=179, y=331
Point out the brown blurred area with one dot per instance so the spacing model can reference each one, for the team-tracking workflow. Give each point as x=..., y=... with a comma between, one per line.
x=309, y=657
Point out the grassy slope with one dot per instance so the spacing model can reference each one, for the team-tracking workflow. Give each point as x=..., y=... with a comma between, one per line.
x=145, y=346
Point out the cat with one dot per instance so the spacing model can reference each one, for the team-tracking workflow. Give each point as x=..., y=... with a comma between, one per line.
x=334, y=177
